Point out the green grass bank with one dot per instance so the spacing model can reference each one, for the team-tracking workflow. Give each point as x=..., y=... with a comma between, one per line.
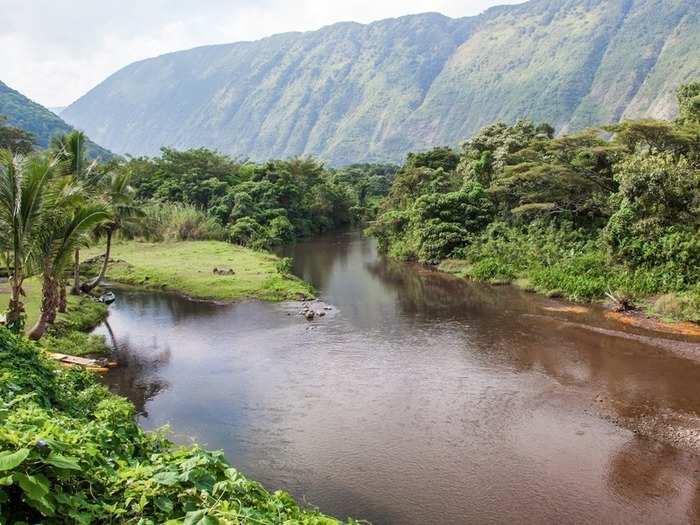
x=187, y=267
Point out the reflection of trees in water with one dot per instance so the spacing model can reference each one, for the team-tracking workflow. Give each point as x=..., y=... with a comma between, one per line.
x=511, y=325
x=643, y=470
x=421, y=289
x=167, y=305
x=315, y=260
x=136, y=377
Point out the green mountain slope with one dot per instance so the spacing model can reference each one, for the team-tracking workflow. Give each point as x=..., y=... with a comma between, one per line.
x=25, y=114
x=351, y=92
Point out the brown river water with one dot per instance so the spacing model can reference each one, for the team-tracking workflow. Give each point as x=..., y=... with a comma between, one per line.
x=421, y=398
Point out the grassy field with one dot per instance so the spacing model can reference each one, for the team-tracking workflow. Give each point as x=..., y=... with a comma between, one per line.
x=188, y=267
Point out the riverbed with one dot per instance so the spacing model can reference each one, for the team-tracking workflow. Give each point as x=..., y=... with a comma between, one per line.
x=421, y=398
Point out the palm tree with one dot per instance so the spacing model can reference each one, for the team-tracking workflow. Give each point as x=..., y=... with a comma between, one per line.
x=24, y=184
x=60, y=235
x=70, y=149
x=123, y=210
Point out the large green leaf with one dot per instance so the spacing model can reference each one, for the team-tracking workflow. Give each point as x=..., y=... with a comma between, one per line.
x=165, y=504
x=36, y=492
x=10, y=460
x=166, y=478
x=35, y=487
x=60, y=461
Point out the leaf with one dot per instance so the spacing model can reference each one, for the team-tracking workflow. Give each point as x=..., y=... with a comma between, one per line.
x=10, y=460
x=36, y=492
x=164, y=504
x=194, y=517
x=60, y=461
x=166, y=478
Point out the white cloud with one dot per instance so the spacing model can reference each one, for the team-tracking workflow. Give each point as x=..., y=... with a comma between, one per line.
x=54, y=52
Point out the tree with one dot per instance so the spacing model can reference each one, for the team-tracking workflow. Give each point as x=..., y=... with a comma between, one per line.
x=445, y=222
x=657, y=220
x=16, y=140
x=70, y=149
x=439, y=157
x=122, y=209
x=61, y=233
x=24, y=186
x=689, y=103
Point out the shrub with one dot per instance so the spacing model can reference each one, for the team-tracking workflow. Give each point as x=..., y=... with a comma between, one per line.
x=248, y=232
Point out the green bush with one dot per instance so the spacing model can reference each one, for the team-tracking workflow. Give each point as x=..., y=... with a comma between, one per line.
x=248, y=232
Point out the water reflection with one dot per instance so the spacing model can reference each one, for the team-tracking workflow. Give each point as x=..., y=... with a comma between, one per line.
x=425, y=399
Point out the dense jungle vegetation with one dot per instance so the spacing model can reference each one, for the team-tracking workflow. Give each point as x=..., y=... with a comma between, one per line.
x=256, y=205
x=612, y=211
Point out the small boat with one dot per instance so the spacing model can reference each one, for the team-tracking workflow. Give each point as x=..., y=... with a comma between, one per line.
x=108, y=297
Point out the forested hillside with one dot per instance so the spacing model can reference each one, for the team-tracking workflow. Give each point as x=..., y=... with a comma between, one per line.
x=351, y=92
x=22, y=113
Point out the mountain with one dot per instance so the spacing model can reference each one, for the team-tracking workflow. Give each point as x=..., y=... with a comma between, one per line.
x=26, y=114
x=56, y=109
x=351, y=92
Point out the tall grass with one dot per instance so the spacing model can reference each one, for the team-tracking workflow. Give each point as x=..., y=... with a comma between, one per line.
x=175, y=222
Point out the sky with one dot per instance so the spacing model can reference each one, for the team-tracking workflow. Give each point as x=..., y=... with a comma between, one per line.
x=54, y=52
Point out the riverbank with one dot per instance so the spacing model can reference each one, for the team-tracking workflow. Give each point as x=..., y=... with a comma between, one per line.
x=583, y=282
x=71, y=450
x=207, y=270
x=211, y=270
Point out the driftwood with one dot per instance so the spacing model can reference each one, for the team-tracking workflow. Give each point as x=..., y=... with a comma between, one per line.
x=86, y=362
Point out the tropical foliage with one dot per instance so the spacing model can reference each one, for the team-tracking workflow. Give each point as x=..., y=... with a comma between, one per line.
x=255, y=205
x=611, y=211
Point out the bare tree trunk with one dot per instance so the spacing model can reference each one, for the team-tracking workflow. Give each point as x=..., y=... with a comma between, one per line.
x=76, y=274
x=49, y=301
x=14, y=319
x=61, y=297
x=89, y=286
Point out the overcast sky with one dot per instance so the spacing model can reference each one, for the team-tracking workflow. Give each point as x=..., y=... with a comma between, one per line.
x=54, y=51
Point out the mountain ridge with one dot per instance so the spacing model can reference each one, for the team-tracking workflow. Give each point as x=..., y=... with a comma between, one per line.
x=353, y=92
x=23, y=113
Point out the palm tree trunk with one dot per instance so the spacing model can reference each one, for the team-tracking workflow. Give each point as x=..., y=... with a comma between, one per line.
x=49, y=301
x=14, y=319
x=76, y=274
x=61, y=297
x=89, y=286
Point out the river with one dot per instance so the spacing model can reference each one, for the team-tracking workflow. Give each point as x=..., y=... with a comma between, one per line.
x=421, y=398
